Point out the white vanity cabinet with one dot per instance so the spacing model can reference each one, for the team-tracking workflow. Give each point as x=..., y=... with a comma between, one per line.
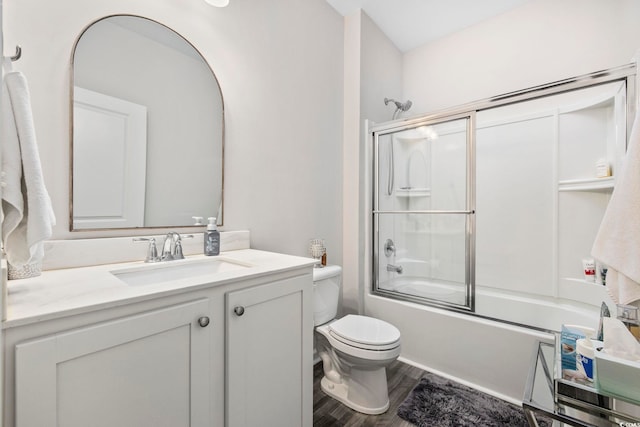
x=173, y=357
x=149, y=369
x=269, y=355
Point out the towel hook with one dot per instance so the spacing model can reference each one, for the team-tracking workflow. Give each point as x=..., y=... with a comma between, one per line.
x=18, y=53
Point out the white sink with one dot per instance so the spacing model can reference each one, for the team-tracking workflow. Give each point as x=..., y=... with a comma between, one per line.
x=169, y=271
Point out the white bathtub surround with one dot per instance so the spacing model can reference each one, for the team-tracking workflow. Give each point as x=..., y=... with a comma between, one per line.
x=514, y=307
x=617, y=243
x=490, y=356
x=87, y=252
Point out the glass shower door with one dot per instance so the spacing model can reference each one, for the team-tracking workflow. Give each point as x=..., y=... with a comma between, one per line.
x=423, y=212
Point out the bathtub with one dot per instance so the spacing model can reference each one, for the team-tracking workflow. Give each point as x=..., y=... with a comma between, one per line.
x=520, y=309
x=488, y=355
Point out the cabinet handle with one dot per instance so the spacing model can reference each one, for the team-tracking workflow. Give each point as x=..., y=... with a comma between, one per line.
x=239, y=310
x=203, y=321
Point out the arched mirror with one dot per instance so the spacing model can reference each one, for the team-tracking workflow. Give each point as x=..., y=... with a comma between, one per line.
x=147, y=128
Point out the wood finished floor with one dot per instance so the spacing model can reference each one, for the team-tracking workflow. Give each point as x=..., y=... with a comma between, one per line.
x=328, y=412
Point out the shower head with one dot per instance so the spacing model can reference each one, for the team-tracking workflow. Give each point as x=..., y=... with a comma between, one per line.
x=400, y=106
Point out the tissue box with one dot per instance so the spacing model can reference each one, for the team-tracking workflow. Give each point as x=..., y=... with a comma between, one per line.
x=568, y=337
x=618, y=377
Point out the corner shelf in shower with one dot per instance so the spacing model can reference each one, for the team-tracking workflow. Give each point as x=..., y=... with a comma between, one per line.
x=589, y=184
x=581, y=281
x=413, y=192
x=578, y=289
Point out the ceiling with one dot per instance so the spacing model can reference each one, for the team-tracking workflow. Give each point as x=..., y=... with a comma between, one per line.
x=411, y=23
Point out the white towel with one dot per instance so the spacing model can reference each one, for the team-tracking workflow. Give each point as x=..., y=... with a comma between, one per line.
x=617, y=243
x=28, y=215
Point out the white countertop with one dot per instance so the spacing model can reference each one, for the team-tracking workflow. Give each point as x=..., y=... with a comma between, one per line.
x=59, y=293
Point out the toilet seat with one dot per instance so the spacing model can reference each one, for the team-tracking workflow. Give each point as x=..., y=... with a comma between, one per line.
x=365, y=333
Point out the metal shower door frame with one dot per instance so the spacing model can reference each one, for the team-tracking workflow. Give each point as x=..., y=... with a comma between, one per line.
x=376, y=131
x=627, y=73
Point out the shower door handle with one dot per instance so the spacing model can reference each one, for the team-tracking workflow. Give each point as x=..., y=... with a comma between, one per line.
x=391, y=171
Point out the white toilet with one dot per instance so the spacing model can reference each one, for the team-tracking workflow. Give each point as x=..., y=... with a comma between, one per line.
x=355, y=350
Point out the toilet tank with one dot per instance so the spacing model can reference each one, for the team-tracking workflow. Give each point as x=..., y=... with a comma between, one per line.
x=326, y=293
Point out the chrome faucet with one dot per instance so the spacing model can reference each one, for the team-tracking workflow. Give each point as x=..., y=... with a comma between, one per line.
x=395, y=268
x=152, y=251
x=172, y=247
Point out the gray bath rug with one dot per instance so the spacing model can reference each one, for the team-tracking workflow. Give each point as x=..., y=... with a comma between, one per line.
x=438, y=402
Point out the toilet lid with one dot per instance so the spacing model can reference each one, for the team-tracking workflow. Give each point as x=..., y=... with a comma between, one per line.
x=365, y=330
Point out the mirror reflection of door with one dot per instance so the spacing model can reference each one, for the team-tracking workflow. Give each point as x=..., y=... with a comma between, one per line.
x=180, y=174
x=110, y=150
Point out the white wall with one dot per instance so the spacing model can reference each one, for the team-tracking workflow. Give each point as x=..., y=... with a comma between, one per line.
x=351, y=221
x=279, y=64
x=373, y=71
x=381, y=72
x=540, y=42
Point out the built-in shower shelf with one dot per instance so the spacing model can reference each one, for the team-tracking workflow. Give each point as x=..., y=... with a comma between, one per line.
x=413, y=192
x=590, y=184
x=580, y=290
x=581, y=281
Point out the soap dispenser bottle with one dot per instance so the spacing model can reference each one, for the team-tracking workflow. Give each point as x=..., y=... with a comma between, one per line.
x=212, y=238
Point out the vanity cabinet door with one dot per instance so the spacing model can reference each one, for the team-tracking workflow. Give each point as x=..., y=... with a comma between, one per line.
x=150, y=369
x=269, y=354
